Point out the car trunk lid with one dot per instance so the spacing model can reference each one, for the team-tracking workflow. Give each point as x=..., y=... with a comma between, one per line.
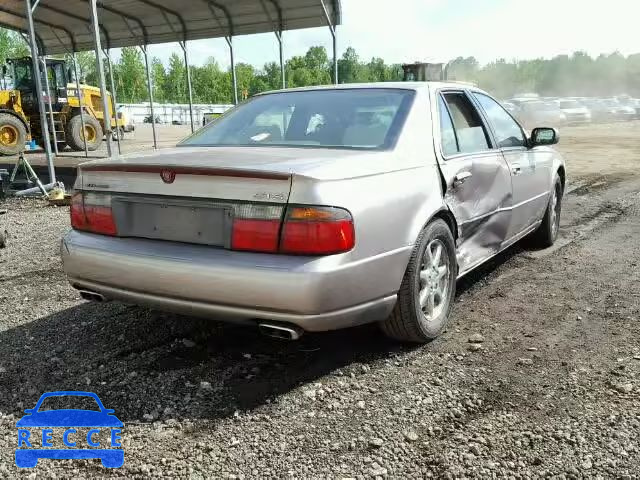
x=194, y=173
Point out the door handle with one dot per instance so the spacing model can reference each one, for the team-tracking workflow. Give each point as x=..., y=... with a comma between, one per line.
x=461, y=177
x=516, y=169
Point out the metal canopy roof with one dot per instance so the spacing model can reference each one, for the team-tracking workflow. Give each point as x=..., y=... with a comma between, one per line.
x=65, y=26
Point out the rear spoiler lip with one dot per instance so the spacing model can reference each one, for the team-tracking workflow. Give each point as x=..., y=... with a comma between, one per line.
x=185, y=170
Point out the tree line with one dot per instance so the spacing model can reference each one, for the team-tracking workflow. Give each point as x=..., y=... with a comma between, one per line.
x=564, y=75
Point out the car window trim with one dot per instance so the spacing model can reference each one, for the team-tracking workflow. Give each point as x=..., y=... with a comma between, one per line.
x=490, y=125
x=492, y=148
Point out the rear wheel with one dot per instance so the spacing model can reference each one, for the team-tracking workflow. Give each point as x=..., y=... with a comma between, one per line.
x=92, y=132
x=12, y=135
x=428, y=288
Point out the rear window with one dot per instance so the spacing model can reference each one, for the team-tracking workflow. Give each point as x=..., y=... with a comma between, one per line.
x=345, y=118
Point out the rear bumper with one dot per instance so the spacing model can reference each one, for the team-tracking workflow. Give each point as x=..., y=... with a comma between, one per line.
x=315, y=294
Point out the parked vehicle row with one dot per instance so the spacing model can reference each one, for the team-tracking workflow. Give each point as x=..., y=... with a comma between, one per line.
x=553, y=111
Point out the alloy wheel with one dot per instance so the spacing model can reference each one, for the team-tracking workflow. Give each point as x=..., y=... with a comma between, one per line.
x=434, y=280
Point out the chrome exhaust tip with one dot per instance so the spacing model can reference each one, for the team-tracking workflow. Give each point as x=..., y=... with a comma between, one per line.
x=92, y=296
x=283, y=332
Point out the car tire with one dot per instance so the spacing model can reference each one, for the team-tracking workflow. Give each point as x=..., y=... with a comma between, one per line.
x=427, y=291
x=547, y=232
x=12, y=134
x=75, y=137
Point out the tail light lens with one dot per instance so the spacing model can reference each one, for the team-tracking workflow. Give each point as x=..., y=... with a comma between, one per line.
x=78, y=220
x=256, y=227
x=304, y=231
x=317, y=231
x=91, y=212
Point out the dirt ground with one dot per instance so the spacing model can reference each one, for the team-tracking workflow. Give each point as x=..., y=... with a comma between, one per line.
x=607, y=149
x=552, y=391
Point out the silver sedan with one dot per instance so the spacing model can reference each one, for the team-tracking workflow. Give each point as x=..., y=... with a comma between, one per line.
x=319, y=208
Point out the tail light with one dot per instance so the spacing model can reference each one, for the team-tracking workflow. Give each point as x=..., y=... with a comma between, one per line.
x=91, y=212
x=304, y=231
x=256, y=227
x=317, y=231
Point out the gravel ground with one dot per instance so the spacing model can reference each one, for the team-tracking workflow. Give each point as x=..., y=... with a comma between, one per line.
x=537, y=376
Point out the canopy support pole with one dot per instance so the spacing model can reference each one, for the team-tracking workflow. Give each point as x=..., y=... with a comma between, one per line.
x=38, y=78
x=46, y=84
x=282, y=77
x=189, y=88
x=99, y=67
x=332, y=29
x=113, y=99
x=335, y=57
x=234, y=79
x=75, y=69
x=150, y=88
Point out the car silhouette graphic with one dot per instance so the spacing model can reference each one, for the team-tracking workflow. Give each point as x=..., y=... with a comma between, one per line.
x=69, y=419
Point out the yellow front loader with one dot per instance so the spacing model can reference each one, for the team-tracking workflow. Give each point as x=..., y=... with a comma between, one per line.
x=20, y=118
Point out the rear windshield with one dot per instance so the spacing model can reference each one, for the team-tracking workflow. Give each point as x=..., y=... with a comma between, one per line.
x=345, y=118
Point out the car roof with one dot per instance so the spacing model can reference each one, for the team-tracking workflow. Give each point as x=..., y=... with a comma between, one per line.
x=390, y=85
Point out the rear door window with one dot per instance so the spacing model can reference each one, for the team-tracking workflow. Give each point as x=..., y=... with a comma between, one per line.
x=470, y=133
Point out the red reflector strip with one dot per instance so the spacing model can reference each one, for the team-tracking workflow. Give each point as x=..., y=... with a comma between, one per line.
x=184, y=170
x=255, y=235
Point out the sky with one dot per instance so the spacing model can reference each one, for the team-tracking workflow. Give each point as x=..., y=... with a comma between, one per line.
x=438, y=30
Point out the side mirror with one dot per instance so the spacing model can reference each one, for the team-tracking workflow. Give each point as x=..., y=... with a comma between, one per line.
x=544, y=136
